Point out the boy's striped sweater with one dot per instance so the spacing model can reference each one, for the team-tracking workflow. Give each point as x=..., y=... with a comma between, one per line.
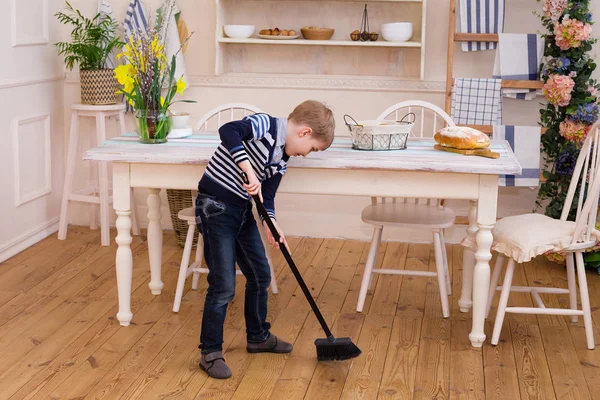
x=258, y=138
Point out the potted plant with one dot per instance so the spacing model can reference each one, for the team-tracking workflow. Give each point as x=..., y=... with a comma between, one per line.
x=148, y=79
x=92, y=41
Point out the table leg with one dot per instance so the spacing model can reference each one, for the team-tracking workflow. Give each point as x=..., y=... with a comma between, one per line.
x=124, y=257
x=155, y=241
x=486, y=218
x=465, y=302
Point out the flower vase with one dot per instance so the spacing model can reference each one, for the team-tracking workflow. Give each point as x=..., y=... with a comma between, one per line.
x=152, y=126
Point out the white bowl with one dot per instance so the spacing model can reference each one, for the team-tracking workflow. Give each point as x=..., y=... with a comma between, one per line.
x=180, y=120
x=239, y=31
x=397, y=31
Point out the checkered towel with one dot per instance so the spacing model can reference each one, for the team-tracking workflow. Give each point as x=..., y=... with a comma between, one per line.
x=519, y=57
x=525, y=143
x=477, y=101
x=481, y=16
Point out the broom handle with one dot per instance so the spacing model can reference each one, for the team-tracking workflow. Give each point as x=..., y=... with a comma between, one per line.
x=263, y=213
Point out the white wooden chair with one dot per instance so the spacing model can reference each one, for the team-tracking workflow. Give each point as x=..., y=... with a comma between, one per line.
x=522, y=237
x=411, y=213
x=224, y=113
x=231, y=112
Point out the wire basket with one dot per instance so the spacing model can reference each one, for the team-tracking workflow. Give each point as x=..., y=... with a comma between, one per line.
x=379, y=134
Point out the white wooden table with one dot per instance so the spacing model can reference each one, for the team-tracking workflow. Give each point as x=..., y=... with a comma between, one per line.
x=419, y=171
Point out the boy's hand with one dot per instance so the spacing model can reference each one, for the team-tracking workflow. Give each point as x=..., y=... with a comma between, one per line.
x=270, y=237
x=253, y=186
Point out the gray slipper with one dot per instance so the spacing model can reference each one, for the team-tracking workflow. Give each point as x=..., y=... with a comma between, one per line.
x=214, y=365
x=272, y=345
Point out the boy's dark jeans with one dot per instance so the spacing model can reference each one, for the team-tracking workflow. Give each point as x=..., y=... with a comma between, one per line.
x=230, y=234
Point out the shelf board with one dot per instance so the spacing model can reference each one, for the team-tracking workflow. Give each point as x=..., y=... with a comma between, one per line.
x=353, y=1
x=304, y=42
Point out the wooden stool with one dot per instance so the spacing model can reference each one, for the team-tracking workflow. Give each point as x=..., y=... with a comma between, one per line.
x=98, y=193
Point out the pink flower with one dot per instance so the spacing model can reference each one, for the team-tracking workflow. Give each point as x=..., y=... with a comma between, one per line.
x=593, y=91
x=573, y=130
x=558, y=88
x=571, y=32
x=554, y=8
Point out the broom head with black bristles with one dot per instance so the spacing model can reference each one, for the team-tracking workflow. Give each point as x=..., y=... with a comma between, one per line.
x=332, y=349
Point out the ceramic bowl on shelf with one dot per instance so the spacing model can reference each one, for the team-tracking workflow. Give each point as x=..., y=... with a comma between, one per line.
x=315, y=33
x=397, y=31
x=239, y=31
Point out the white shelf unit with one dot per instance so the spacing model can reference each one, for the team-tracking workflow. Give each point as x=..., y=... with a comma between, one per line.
x=339, y=56
x=304, y=42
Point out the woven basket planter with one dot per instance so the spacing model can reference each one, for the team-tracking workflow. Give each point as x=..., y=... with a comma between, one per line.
x=178, y=200
x=98, y=86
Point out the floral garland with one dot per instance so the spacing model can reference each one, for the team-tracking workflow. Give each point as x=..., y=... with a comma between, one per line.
x=572, y=98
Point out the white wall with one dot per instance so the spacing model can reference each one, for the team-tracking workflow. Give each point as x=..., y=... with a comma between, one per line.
x=31, y=122
x=365, y=97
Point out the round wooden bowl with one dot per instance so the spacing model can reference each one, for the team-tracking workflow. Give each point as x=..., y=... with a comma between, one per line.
x=312, y=33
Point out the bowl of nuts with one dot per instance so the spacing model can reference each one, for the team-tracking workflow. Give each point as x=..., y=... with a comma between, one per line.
x=278, y=34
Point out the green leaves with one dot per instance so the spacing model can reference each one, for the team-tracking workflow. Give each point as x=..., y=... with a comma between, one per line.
x=92, y=40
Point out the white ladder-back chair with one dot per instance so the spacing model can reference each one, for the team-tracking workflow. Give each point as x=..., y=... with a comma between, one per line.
x=522, y=237
x=222, y=114
x=218, y=116
x=428, y=214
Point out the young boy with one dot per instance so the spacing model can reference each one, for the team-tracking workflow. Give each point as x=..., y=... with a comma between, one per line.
x=260, y=146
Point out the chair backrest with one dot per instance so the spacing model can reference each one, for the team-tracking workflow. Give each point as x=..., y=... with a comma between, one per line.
x=429, y=118
x=426, y=123
x=224, y=113
x=586, y=178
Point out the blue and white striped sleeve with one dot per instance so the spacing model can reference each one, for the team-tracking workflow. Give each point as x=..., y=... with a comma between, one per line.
x=260, y=125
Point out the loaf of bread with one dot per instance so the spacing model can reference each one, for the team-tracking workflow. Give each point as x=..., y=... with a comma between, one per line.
x=462, y=137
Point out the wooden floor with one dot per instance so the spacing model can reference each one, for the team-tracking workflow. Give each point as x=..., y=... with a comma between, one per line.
x=59, y=338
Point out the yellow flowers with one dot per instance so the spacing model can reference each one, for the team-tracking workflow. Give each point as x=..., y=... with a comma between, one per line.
x=147, y=78
x=181, y=85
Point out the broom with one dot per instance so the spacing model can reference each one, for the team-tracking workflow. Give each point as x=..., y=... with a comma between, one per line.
x=329, y=348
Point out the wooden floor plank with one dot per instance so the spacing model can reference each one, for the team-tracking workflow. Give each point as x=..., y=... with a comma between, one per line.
x=501, y=380
x=466, y=363
x=294, y=380
x=386, y=291
x=35, y=269
x=351, y=300
x=366, y=372
x=77, y=353
x=260, y=377
x=317, y=272
x=398, y=380
x=59, y=336
x=567, y=377
x=130, y=367
x=433, y=373
x=329, y=377
x=415, y=289
x=39, y=331
x=338, y=282
x=104, y=359
x=31, y=364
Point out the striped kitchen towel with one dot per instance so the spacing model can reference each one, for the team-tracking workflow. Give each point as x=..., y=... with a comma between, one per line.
x=519, y=57
x=135, y=18
x=477, y=101
x=525, y=143
x=481, y=16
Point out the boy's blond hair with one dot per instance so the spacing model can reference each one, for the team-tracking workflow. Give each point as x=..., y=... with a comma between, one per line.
x=318, y=117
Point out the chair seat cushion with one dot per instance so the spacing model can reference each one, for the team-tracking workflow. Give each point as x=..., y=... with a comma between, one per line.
x=523, y=237
x=408, y=215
